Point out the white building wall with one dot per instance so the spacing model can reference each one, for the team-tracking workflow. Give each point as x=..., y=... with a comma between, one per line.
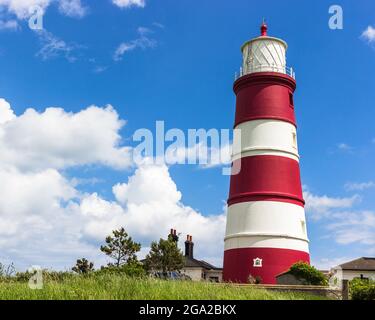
x=338, y=275
x=194, y=273
x=351, y=274
x=198, y=274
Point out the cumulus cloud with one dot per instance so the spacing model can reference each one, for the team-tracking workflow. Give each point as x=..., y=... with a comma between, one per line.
x=149, y=204
x=6, y=112
x=24, y=8
x=129, y=3
x=52, y=217
x=58, y=139
x=46, y=219
x=369, y=34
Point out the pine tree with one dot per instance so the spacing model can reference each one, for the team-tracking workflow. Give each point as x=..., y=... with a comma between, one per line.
x=164, y=256
x=121, y=248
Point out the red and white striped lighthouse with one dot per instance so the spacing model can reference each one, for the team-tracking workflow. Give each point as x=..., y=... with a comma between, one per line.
x=266, y=226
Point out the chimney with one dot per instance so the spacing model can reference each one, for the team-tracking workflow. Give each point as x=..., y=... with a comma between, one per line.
x=189, y=247
x=174, y=235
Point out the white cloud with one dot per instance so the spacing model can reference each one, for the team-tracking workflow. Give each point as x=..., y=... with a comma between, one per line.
x=9, y=25
x=72, y=8
x=46, y=220
x=148, y=205
x=344, y=147
x=6, y=112
x=205, y=156
x=129, y=3
x=369, y=34
x=353, y=186
x=57, y=139
x=321, y=206
x=100, y=69
x=145, y=179
x=142, y=42
x=49, y=223
x=53, y=47
x=344, y=226
x=328, y=263
x=353, y=227
x=24, y=8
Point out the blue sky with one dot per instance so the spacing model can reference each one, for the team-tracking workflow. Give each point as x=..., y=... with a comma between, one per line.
x=177, y=64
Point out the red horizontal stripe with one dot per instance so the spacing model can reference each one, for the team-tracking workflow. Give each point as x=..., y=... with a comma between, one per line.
x=271, y=197
x=264, y=96
x=238, y=263
x=273, y=178
x=262, y=118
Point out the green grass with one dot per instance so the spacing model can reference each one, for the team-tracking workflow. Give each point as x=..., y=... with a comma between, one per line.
x=119, y=287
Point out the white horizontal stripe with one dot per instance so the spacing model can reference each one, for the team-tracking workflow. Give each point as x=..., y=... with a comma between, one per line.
x=264, y=220
x=266, y=242
x=266, y=137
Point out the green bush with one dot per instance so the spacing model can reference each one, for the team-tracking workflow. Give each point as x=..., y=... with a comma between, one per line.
x=131, y=269
x=309, y=274
x=362, y=289
x=48, y=275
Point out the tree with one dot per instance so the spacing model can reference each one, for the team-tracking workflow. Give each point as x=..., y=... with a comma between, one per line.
x=7, y=271
x=165, y=256
x=83, y=266
x=120, y=247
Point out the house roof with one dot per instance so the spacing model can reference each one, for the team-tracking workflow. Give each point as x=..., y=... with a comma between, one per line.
x=194, y=263
x=363, y=264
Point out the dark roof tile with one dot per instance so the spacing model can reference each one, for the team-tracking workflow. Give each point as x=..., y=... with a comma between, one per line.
x=364, y=263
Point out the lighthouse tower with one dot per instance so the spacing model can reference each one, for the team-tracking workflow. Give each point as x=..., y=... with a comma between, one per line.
x=266, y=226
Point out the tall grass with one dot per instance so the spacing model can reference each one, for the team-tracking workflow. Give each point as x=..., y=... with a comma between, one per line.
x=120, y=287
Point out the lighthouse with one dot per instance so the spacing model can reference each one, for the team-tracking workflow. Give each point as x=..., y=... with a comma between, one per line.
x=266, y=225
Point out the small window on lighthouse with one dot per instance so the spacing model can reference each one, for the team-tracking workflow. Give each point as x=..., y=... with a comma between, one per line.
x=294, y=135
x=303, y=226
x=257, y=262
x=291, y=102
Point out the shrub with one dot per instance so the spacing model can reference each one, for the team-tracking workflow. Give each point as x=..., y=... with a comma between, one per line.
x=48, y=275
x=309, y=274
x=362, y=289
x=131, y=269
x=7, y=271
x=83, y=266
x=254, y=280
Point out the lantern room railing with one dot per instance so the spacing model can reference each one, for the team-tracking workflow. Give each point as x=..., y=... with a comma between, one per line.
x=266, y=68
